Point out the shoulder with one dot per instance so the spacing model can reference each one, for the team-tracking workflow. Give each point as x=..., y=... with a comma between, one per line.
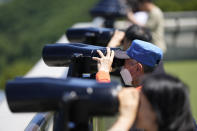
x=156, y=12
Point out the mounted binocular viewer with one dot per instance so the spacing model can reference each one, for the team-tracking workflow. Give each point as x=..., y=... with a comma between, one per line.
x=77, y=55
x=78, y=98
x=47, y=94
x=90, y=35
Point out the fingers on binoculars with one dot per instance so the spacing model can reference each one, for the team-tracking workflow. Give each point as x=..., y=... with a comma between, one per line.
x=96, y=58
x=100, y=53
x=112, y=55
x=108, y=52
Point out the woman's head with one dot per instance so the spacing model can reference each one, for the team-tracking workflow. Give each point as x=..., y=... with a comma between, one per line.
x=169, y=100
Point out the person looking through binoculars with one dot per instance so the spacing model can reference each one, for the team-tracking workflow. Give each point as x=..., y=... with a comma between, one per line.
x=159, y=103
x=140, y=58
x=125, y=39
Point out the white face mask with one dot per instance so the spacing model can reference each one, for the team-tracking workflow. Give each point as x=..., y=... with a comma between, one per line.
x=126, y=76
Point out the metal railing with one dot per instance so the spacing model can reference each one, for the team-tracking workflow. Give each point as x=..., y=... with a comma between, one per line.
x=40, y=122
x=181, y=35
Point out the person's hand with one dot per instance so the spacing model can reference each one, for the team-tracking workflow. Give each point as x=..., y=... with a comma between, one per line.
x=105, y=62
x=129, y=101
x=116, y=39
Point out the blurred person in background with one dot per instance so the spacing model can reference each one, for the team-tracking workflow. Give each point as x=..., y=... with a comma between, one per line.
x=161, y=105
x=155, y=20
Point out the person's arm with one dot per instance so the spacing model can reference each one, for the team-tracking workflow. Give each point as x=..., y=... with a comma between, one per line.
x=103, y=76
x=116, y=39
x=104, y=64
x=132, y=19
x=129, y=101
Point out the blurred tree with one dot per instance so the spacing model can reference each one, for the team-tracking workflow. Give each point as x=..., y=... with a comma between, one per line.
x=177, y=5
x=27, y=25
x=18, y=68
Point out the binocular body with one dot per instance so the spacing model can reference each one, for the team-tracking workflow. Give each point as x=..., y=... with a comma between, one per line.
x=50, y=94
x=109, y=9
x=65, y=54
x=91, y=35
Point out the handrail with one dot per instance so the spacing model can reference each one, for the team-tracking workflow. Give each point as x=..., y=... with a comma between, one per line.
x=2, y=96
x=183, y=14
x=40, y=122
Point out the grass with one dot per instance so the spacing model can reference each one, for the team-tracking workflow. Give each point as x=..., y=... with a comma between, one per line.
x=187, y=72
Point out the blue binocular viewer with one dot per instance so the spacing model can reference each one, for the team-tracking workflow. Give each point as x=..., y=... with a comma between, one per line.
x=50, y=94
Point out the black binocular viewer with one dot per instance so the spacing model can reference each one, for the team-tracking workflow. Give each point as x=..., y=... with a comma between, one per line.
x=90, y=35
x=78, y=53
x=51, y=94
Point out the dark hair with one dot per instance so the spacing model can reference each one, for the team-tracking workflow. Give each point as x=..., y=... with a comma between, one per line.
x=169, y=98
x=137, y=32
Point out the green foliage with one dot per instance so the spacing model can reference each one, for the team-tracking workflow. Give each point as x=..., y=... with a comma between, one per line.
x=177, y=5
x=27, y=25
x=18, y=68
